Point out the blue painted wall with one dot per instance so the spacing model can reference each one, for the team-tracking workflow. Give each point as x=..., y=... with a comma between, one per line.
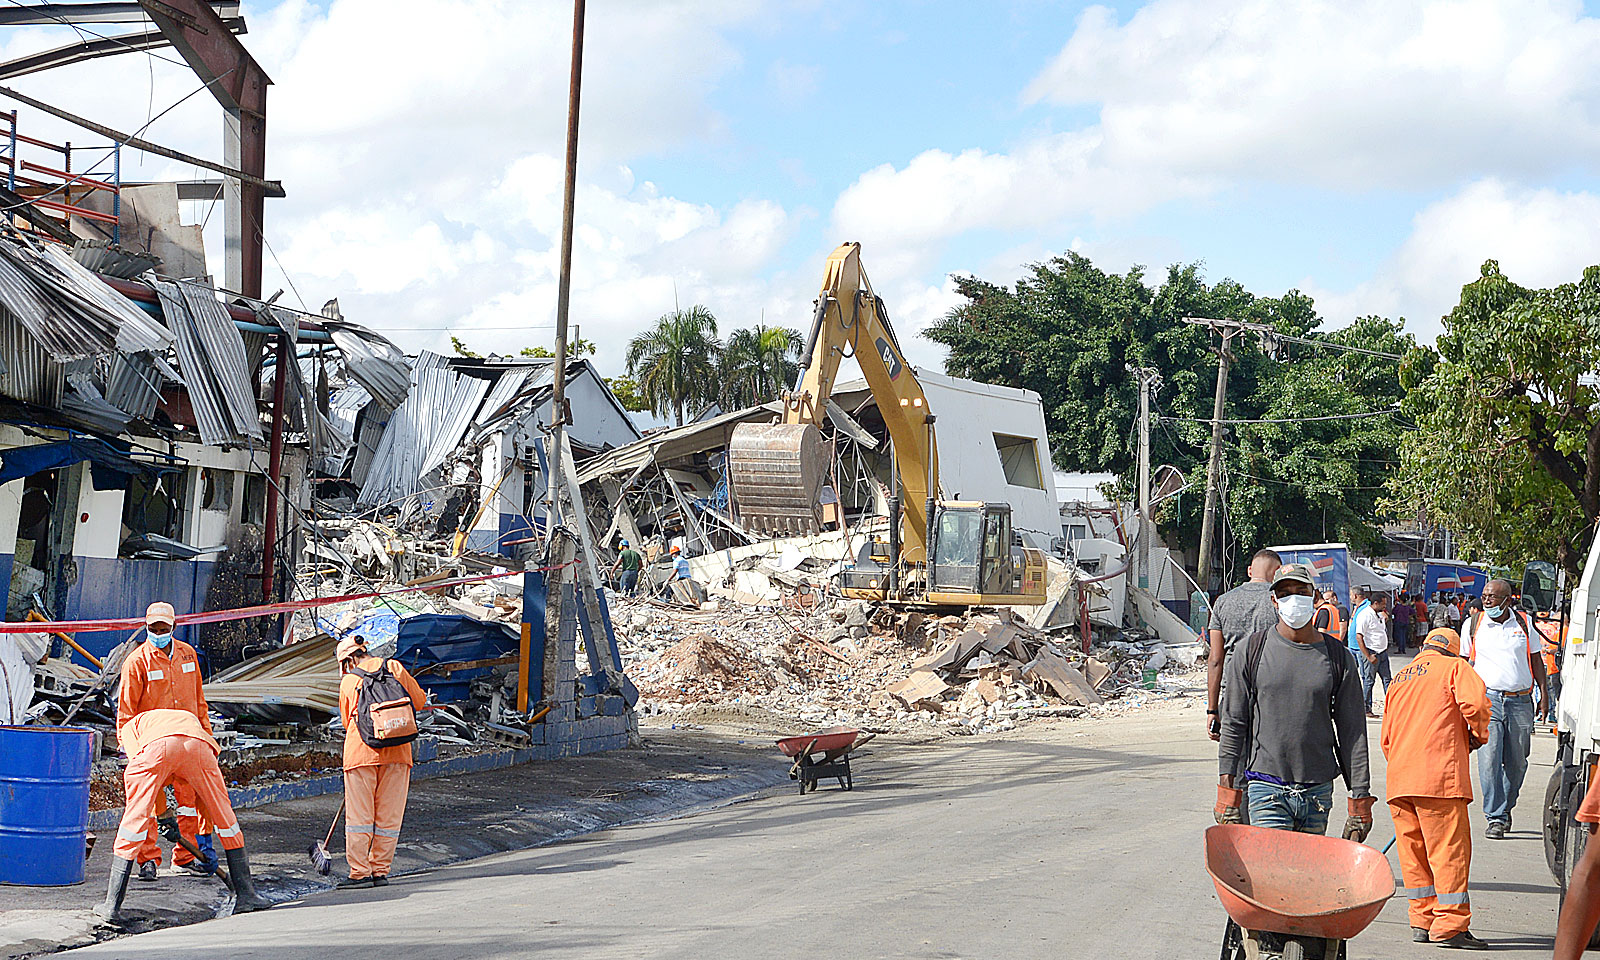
x=119, y=587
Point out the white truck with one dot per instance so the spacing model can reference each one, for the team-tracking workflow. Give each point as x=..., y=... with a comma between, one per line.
x=1577, y=710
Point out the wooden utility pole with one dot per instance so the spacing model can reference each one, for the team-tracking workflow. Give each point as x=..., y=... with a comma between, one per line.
x=1148, y=378
x=558, y=389
x=1208, y=523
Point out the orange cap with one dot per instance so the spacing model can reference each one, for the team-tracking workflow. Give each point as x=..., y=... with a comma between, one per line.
x=676, y=549
x=1443, y=638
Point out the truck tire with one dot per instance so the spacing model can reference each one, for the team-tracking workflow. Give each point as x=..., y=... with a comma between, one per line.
x=1575, y=838
x=1553, y=838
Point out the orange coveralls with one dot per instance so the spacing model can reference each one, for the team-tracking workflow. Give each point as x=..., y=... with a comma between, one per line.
x=1436, y=704
x=156, y=679
x=162, y=745
x=376, y=781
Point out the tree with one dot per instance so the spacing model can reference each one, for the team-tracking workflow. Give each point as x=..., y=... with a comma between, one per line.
x=1073, y=333
x=675, y=363
x=1508, y=418
x=626, y=390
x=757, y=364
x=576, y=348
x=460, y=348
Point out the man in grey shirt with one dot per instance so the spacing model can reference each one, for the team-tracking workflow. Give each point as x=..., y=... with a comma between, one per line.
x=1242, y=612
x=1293, y=722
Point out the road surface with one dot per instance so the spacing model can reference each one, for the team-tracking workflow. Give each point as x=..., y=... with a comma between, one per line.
x=1078, y=840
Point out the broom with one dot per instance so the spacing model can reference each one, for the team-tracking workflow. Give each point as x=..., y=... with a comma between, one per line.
x=319, y=848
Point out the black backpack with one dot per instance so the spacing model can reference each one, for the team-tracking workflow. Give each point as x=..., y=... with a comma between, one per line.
x=1252, y=665
x=382, y=692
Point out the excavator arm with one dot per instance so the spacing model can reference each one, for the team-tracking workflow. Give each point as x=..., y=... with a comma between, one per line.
x=775, y=467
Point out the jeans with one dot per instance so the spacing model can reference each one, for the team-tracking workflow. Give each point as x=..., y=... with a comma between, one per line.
x=1369, y=674
x=1301, y=809
x=628, y=582
x=1503, y=760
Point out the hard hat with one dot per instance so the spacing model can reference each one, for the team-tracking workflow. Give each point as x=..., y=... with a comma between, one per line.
x=160, y=612
x=349, y=646
x=675, y=549
x=624, y=541
x=1443, y=638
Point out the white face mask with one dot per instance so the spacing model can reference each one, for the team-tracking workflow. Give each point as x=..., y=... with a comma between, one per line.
x=1295, y=610
x=1496, y=612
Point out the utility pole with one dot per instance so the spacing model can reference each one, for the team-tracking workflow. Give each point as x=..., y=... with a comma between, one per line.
x=1148, y=380
x=1227, y=329
x=558, y=391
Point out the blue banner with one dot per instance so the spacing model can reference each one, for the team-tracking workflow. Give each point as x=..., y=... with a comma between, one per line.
x=1329, y=568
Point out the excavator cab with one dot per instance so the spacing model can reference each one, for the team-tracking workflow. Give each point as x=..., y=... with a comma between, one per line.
x=976, y=558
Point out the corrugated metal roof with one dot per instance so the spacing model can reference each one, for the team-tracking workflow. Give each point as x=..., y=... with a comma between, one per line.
x=82, y=401
x=65, y=335
x=423, y=430
x=212, y=357
x=136, y=330
x=372, y=361
x=30, y=375
x=103, y=258
x=134, y=383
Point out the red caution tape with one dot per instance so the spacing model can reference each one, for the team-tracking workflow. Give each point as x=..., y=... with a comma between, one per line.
x=245, y=613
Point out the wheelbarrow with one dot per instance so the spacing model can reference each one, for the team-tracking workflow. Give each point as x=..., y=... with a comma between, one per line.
x=1294, y=896
x=823, y=755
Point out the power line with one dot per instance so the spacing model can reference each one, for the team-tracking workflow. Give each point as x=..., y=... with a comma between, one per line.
x=81, y=30
x=1336, y=416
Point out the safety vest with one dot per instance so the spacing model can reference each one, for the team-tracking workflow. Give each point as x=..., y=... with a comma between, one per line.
x=1335, y=626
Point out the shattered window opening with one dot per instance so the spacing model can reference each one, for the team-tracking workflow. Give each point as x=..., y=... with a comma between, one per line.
x=216, y=488
x=1019, y=458
x=154, y=505
x=255, y=499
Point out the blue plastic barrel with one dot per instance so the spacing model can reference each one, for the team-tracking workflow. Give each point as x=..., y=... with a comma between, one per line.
x=44, y=804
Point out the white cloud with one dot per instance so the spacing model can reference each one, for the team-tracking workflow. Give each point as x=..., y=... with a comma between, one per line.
x=1348, y=93
x=1540, y=237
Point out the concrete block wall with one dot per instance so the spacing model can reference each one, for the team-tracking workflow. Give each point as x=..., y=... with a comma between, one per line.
x=577, y=724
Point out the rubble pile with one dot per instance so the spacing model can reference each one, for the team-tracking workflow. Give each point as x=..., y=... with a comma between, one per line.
x=867, y=665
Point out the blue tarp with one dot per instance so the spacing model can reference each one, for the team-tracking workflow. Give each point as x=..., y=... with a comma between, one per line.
x=432, y=638
x=108, y=466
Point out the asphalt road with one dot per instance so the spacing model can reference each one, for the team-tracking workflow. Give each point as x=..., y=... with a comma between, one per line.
x=1078, y=840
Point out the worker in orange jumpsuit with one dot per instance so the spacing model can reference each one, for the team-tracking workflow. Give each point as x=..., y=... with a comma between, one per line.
x=1436, y=713
x=1550, y=635
x=163, y=745
x=376, y=780
x=164, y=673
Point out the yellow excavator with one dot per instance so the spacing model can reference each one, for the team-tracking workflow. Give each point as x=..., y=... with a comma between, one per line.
x=942, y=553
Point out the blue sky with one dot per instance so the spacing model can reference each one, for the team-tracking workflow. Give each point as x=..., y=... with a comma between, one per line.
x=1371, y=154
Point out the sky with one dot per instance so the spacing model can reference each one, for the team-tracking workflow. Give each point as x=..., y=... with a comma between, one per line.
x=1370, y=154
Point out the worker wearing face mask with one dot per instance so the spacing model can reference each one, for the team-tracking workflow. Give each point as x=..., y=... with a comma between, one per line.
x=1504, y=648
x=1297, y=723
x=163, y=673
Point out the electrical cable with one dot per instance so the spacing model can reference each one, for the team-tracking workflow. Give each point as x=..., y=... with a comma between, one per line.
x=81, y=30
x=1318, y=419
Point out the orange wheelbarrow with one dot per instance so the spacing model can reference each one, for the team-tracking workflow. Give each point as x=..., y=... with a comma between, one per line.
x=823, y=755
x=1294, y=896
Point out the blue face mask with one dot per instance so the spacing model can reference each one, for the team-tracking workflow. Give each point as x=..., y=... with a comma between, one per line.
x=161, y=640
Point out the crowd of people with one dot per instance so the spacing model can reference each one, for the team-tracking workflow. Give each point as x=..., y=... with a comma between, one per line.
x=1291, y=681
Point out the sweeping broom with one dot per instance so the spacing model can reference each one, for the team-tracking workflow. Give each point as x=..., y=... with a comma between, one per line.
x=319, y=848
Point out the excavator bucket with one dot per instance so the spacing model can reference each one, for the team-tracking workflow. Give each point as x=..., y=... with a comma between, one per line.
x=777, y=472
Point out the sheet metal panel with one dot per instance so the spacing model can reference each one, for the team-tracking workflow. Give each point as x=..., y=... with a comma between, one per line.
x=29, y=374
x=211, y=354
x=372, y=361
x=134, y=384
x=423, y=430
x=136, y=330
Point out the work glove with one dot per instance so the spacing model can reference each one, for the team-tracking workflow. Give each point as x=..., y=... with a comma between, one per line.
x=169, y=829
x=1228, y=802
x=1359, y=823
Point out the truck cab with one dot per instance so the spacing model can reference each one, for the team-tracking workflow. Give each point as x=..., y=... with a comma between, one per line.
x=1577, y=711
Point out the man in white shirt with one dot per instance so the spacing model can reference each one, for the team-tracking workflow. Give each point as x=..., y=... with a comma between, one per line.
x=1371, y=645
x=1504, y=648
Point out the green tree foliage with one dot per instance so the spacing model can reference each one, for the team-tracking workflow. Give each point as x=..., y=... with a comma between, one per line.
x=577, y=348
x=1073, y=333
x=757, y=364
x=1507, y=409
x=675, y=362
x=460, y=348
x=626, y=390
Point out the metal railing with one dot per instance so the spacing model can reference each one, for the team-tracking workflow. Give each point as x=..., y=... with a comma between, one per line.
x=59, y=182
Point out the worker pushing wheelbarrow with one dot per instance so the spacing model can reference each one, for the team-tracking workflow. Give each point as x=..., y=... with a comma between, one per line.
x=1292, y=721
x=1296, y=896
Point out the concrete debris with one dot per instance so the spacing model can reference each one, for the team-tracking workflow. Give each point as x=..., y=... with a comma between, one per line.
x=864, y=664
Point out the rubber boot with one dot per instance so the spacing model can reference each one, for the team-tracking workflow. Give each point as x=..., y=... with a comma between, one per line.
x=111, y=910
x=244, y=889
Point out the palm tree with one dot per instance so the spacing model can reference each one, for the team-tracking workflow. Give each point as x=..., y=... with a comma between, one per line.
x=675, y=363
x=758, y=364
